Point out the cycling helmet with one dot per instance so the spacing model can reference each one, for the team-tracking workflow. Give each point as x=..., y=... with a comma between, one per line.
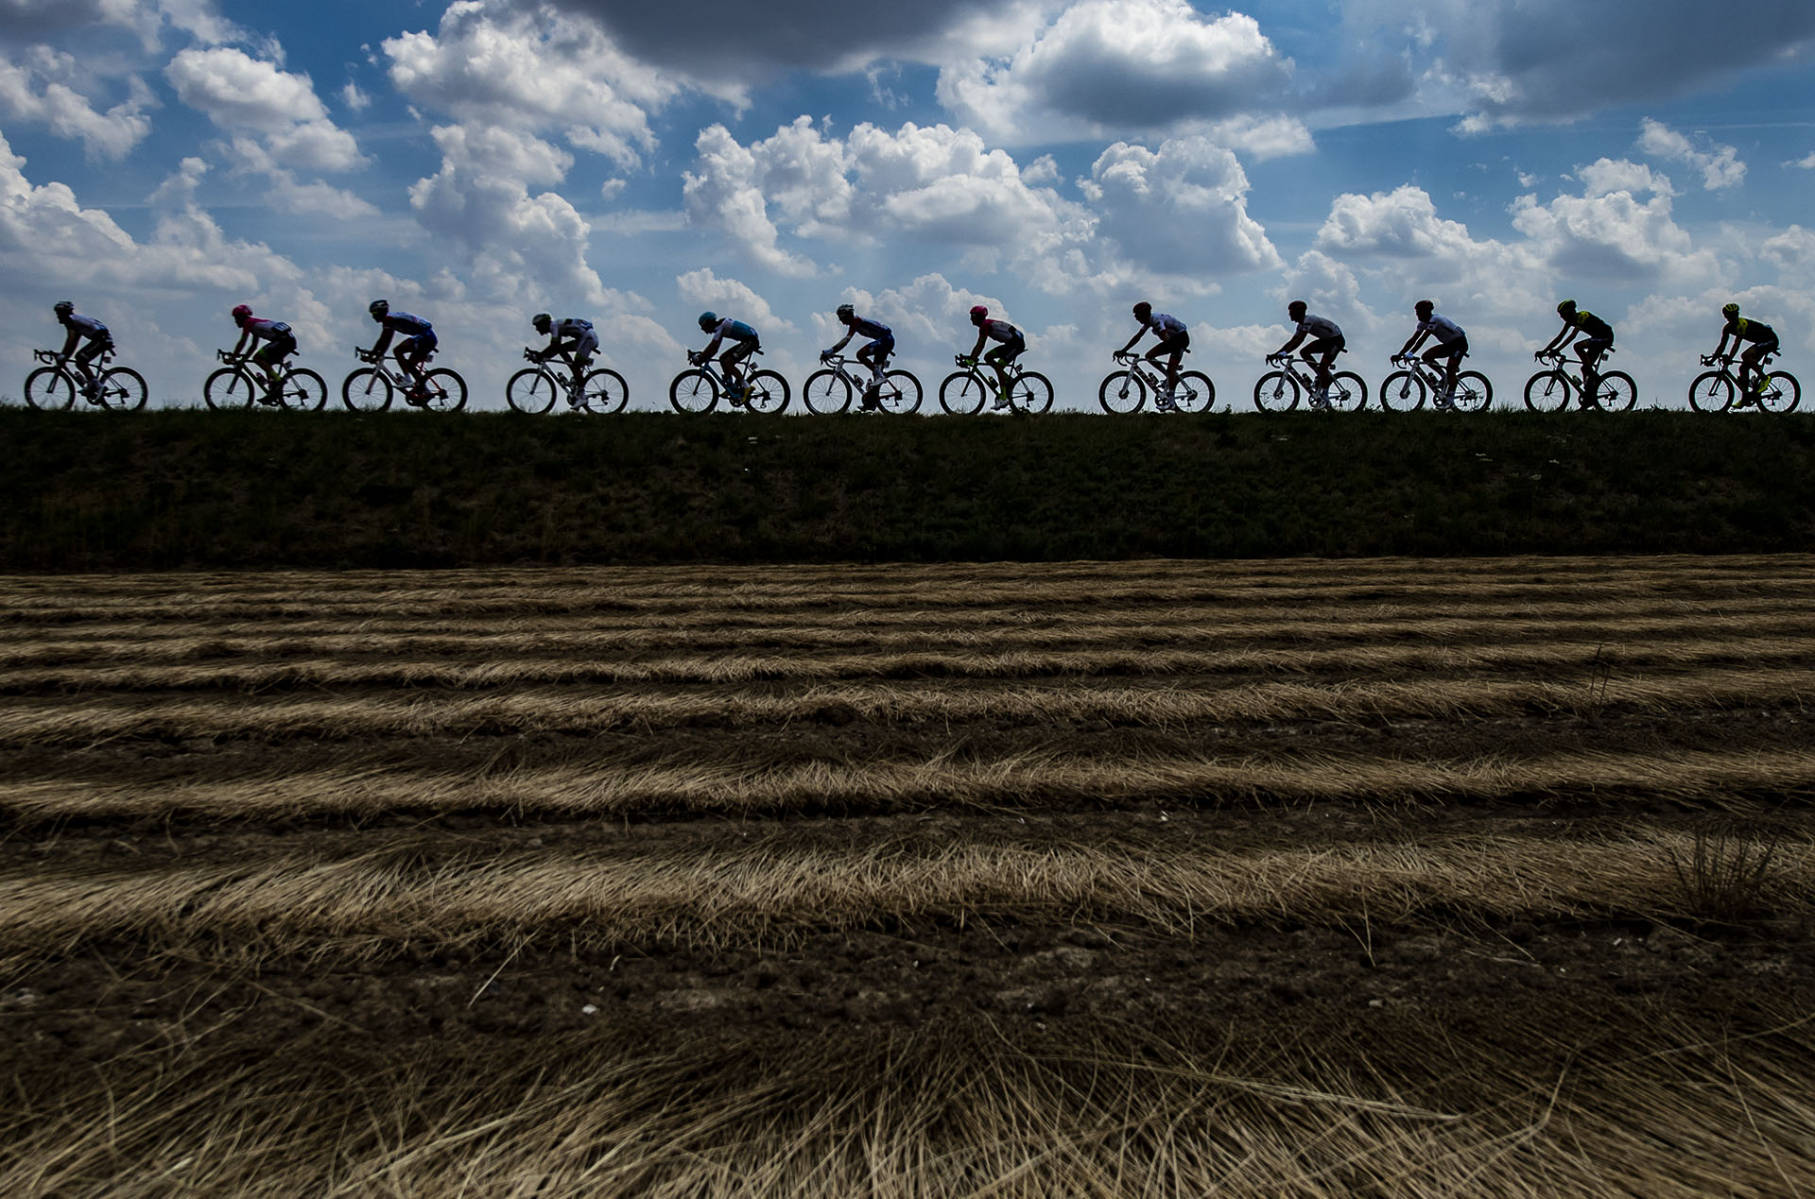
x=63, y=307
x=979, y=314
x=1296, y=309
x=241, y=314
x=378, y=308
x=708, y=319
x=1143, y=310
x=1730, y=310
x=542, y=321
x=1566, y=307
x=1424, y=306
x=846, y=313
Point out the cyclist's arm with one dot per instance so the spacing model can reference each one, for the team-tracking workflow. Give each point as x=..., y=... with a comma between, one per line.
x=69, y=343
x=1290, y=345
x=1138, y=333
x=843, y=341
x=383, y=343
x=977, y=350
x=1721, y=350
x=1413, y=342
x=1562, y=339
x=239, y=347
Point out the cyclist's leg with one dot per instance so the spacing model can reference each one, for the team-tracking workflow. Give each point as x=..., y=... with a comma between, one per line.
x=1750, y=360
x=584, y=347
x=266, y=357
x=1320, y=354
x=84, y=359
x=1590, y=353
x=1000, y=357
x=729, y=360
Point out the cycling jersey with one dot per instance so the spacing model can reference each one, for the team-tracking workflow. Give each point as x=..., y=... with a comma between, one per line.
x=1444, y=329
x=1745, y=330
x=1165, y=324
x=1321, y=328
x=404, y=323
x=572, y=326
x=1592, y=325
x=735, y=330
x=1001, y=330
x=263, y=330
x=86, y=326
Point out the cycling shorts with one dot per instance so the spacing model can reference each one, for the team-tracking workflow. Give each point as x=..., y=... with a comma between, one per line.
x=1592, y=348
x=1007, y=352
x=879, y=349
x=1178, y=343
x=1326, y=345
x=740, y=351
x=586, y=344
x=96, y=346
x=417, y=346
x=276, y=349
x=1448, y=349
x=1760, y=349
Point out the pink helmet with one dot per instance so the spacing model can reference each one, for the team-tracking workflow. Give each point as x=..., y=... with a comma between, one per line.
x=979, y=313
x=240, y=314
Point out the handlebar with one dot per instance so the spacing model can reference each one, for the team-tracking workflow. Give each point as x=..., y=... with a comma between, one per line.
x=964, y=360
x=47, y=356
x=230, y=358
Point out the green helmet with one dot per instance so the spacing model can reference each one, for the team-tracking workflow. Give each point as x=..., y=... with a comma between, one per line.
x=1566, y=307
x=1730, y=310
x=708, y=319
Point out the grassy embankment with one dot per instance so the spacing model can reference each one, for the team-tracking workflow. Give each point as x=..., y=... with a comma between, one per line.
x=176, y=489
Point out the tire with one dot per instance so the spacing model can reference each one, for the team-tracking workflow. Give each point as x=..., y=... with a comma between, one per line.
x=531, y=391
x=1122, y=393
x=1277, y=391
x=962, y=394
x=303, y=391
x=693, y=392
x=1712, y=391
x=1195, y=392
x=768, y=394
x=603, y=392
x=1474, y=392
x=446, y=391
x=900, y=393
x=826, y=393
x=367, y=390
x=1782, y=394
x=1548, y=391
x=1348, y=392
x=1030, y=393
x=1401, y=391
x=228, y=389
x=1615, y=391
x=123, y=390
x=48, y=389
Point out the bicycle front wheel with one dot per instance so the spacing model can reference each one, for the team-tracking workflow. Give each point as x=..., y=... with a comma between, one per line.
x=366, y=390
x=1401, y=391
x=603, y=393
x=1122, y=393
x=693, y=392
x=443, y=391
x=1194, y=393
x=1781, y=394
x=531, y=391
x=1712, y=391
x=48, y=389
x=123, y=390
x=227, y=389
x=768, y=395
x=1474, y=392
x=1615, y=391
x=1030, y=393
x=962, y=394
x=1348, y=392
x=1548, y=391
x=1277, y=391
x=826, y=393
x=899, y=394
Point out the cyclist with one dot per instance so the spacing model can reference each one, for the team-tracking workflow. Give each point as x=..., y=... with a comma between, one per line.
x=874, y=354
x=1452, y=343
x=419, y=341
x=1326, y=342
x=722, y=327
x=570, y=339
x=1175, y=339
x=1014, y=344
x=100, y=341
x=1764, y=341
x=279, y=341
x=1597, y=339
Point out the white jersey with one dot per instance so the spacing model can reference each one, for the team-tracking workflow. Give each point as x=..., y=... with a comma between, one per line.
x=1444, y=329
x=1165, y=324
x=1319, y=327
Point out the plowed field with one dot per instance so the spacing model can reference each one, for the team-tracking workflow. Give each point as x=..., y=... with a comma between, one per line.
x=1365, y=877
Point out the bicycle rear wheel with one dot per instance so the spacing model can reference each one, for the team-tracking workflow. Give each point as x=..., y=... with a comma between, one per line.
x=1401, y=391
x=900, y=393
x=1277, y=391
x=1474, y=392
x=1615, y=391
x=1194, y=393
x=767, y=395
x=962, y=394
x=1548, y=391
x=1782, y=393
x=227, y=389
x=303, y=391
x=1122, y=393
x=48, y=389
x=603, y=393
x=443, y=391
x=1030, y=393
x=531, y=391
x=122, y=390
x=1348, y=392
x=825, y=393
x=366, y=390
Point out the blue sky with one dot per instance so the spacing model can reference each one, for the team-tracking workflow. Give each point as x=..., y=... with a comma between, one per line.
x=480, y=161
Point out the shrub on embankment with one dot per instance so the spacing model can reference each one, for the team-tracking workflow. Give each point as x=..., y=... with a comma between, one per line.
x=182, y=488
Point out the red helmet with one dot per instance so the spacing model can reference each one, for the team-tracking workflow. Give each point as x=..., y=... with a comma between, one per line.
x=240, y=314
x=979, y=314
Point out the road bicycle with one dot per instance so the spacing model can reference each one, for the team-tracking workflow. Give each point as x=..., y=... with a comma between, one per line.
x=695, y=392
x=1278, y=391
x=54, y=387
x=963, y=391
x=828, y=392
x=533, y=390
x=1714, y=391
x=241, y=384
x=370, y=388
x=1125, y=391
x=1549, y=390
x=1405, y=390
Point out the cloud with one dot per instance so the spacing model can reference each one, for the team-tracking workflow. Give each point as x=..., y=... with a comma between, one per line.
x=1791, y=250
x=1719, y=165
x=1609, y=234
x=26, y=20
x=46, y=86
x=240, y=93
x=1181, y=209
x=705, y=288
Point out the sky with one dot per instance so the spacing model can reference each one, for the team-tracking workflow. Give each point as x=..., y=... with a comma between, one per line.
x=481, y=161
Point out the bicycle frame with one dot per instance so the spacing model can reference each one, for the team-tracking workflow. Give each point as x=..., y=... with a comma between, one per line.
x=837, y=364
